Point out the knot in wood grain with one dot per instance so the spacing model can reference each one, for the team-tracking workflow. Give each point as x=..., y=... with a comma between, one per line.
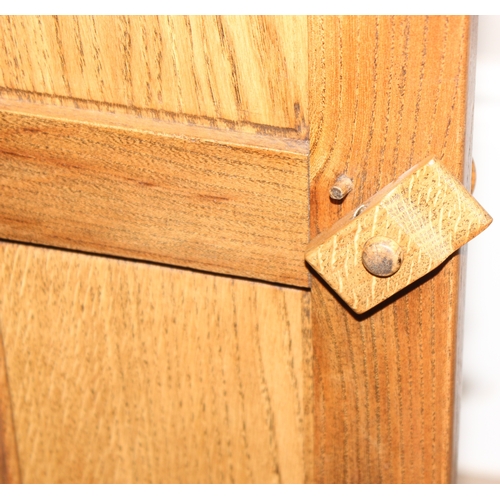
x=382, y=256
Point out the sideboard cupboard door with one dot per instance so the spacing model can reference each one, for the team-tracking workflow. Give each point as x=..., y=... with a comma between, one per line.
x=131, y=372
x=161, y=178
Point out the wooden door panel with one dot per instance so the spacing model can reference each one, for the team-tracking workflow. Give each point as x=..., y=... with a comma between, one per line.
x=130, y=372
x=230, y=72
x=183, y=376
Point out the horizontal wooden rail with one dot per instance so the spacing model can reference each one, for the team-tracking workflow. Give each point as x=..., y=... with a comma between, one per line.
x=220, y=201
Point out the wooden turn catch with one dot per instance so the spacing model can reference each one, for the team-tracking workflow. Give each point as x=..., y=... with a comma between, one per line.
x=397, y=236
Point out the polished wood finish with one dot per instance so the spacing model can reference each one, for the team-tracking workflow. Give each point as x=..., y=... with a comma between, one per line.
x=9, y=463
x=131, y=372
x=186, y=196
x=396, y=237
x=124, y=371
x=230, y=72
x=386, y=92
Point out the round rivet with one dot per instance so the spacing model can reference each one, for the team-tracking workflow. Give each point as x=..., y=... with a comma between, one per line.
x=382, y=256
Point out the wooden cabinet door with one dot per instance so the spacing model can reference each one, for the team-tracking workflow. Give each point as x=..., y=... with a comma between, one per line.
x=160, y=180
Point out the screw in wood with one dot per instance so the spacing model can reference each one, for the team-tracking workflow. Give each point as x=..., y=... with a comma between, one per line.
x=342, y=186
x=382, y=256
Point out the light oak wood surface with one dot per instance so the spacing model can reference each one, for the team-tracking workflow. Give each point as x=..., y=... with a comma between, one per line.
x=231, y=72
x=130, y=372
x=226, y=202
x=384, y=93
x=122, y=371
x=9, y=463
x=415, y=223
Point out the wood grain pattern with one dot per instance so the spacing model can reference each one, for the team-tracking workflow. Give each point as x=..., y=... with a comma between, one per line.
x=9, y=463
x=426, y=213
x=384, y=93
x=113, y=379
x=131, y=372
x=231, y=72
x=225, y=202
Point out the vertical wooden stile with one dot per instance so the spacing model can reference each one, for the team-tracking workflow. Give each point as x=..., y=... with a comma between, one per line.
x=384, y=93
